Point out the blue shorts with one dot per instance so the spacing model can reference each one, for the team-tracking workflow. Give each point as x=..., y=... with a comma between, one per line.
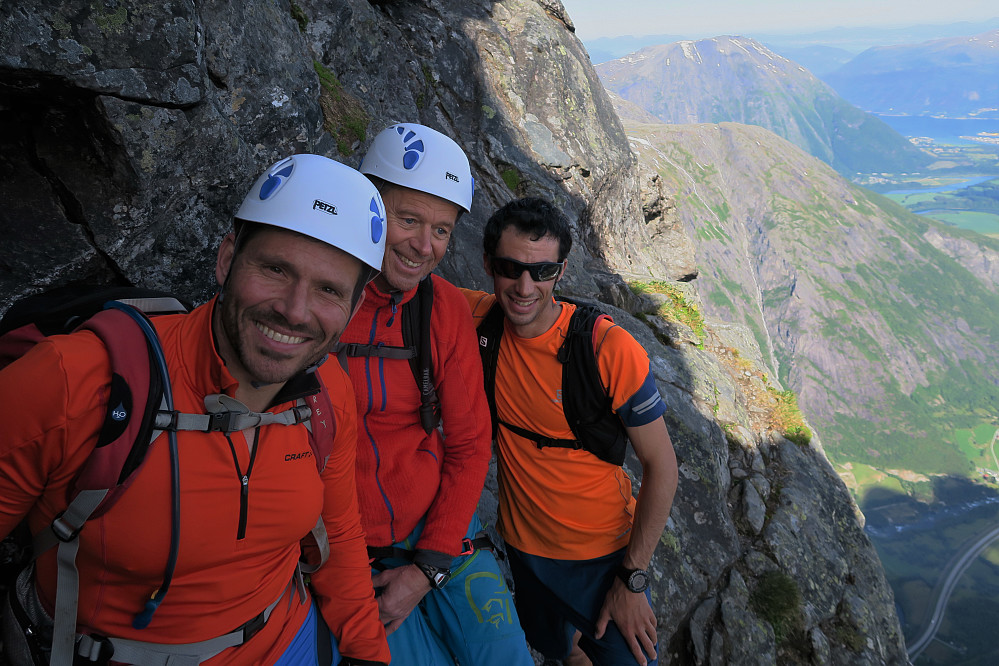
x=473, y=619
x=311, y=639
x=557, y=597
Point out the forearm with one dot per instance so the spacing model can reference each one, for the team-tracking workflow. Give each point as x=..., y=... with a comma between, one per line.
x=655, y=498
x=467, y=430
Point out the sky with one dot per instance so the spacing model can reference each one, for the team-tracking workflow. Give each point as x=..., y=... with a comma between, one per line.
x=707, y=18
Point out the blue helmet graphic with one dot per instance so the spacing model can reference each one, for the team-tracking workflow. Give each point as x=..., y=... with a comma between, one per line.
x=413, y=146
x=275, y=181
x=377, y=220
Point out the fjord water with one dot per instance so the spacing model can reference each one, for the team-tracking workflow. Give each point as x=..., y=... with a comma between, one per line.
x=942, y=130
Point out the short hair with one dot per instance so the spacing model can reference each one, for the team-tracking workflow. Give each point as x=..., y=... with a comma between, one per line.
x=530, y=215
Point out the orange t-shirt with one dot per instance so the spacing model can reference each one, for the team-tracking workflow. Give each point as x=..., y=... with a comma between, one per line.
x=558, y=502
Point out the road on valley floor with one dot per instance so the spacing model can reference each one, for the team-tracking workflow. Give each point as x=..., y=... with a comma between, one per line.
x=945, y=587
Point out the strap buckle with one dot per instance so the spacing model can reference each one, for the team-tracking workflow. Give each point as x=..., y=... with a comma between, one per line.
x=253, y=626
x=221, y=422
x=64, y=530
x=467, y=547
x=93, y=649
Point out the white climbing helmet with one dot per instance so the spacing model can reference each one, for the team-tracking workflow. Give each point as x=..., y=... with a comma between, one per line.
x=421, y=158
x=322, y=199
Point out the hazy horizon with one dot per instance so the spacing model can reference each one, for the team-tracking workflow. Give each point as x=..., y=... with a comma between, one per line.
x=595, y=20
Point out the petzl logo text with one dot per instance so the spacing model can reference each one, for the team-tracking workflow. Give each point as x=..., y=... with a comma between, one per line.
x=323, y=206
x=450, y=176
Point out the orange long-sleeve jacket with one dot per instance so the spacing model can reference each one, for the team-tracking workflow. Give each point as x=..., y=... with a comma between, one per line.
x=237, y=551
x=404, y=474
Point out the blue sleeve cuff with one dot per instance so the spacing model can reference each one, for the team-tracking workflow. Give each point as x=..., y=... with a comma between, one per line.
x=645, y=406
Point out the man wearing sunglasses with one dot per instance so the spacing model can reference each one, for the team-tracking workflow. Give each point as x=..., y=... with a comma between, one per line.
x=579, y=544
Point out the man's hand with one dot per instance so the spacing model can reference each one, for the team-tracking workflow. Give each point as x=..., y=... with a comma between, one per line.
x=634, y=618
x=399, y=590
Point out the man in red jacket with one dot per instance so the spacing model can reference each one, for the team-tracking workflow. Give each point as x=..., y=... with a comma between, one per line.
x=419, y=477
x=308, y=237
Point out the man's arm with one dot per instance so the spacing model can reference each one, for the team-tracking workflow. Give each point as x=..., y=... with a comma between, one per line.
x=467, y=428
x=38, y=459
x=629, y=610
x=342, y=586
x=467, y=434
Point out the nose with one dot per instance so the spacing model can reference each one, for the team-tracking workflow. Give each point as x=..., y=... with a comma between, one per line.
x=524, y=284
x=421, y=240
x=293, y=304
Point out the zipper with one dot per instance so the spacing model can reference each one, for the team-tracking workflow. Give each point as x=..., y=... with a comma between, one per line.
x=244, y=482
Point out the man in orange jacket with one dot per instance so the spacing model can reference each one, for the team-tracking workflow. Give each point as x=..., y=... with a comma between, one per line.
x=309, y=236
x=440, y=598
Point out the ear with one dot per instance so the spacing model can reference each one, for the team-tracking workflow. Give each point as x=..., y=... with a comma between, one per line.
x=486, y=265
x=357, y=306
x=565, y=269
x=224, y=261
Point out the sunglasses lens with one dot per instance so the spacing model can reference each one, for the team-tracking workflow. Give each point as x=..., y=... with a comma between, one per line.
x=507, y=268
x=546, y=272
x=540, y=272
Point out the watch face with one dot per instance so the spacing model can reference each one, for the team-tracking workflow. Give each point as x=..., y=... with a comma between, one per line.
x=639, y=581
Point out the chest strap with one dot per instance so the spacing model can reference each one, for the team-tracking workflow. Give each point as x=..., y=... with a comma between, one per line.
x=100, y=650
x=379, y=350
x=541, y=440
x=228, y=415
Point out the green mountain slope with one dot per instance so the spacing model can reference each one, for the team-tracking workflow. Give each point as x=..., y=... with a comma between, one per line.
x=889, y=342
x=738, y=80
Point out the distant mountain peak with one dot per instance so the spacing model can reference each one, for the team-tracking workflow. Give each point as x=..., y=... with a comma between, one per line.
x=737, y=79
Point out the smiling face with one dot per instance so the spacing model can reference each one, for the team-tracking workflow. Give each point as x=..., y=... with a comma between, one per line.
x=419, y=228
x=527, y=304
x=286, y=299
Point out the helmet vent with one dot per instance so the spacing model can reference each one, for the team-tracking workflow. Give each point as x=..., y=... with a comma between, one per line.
x=275, y=181
x=377, y=221
x=413, y=147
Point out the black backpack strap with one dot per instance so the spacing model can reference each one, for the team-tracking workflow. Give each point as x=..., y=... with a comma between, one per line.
x=587, y=406
x=490, y=331
x=541, y=440
x=416, y=314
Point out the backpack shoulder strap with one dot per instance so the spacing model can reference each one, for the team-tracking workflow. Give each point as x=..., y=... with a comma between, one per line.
x=585, y=401
x=490, y=331
x=322, y=435
x=321, y=424
x=416, y=314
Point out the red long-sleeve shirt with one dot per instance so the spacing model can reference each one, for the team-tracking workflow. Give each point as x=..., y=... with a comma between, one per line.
x=404, y=474
x=52, y=403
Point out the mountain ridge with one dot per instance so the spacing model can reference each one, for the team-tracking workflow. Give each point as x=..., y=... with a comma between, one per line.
x=735, y=79
x=797, y=253
x=956, y=77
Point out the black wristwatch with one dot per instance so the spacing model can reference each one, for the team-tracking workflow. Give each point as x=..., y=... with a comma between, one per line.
x=636, y=580
x=438, y=577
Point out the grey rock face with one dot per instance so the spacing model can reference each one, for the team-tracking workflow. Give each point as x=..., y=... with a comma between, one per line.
x=131, y=135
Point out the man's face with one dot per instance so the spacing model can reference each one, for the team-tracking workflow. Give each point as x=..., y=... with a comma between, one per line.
x=286, y=299
x=419, y=228
x=527, y=303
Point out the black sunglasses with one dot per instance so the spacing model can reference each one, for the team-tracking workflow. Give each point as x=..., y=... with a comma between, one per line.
x=542, y=271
